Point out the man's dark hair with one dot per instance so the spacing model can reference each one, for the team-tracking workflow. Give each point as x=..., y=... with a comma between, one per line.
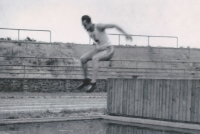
x=87, y=18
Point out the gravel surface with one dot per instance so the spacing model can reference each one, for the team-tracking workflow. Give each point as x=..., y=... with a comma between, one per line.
x=59, y=94
x=49, y=114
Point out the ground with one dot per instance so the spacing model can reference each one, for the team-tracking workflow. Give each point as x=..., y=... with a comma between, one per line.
x=44, y=105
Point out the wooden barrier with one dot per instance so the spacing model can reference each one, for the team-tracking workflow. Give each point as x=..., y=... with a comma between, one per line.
x=163, y=99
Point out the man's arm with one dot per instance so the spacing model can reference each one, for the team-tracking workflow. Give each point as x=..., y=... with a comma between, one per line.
x=102, y=27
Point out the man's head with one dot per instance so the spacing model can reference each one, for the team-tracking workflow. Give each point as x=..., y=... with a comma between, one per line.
x=87, y=23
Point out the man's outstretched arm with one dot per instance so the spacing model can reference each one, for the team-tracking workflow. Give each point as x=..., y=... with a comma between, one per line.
x=102, y=27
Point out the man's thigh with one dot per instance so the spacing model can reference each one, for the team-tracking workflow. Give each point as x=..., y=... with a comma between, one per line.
x=88, y=56
x=103, y=55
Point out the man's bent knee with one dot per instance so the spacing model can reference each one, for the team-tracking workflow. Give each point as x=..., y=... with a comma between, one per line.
x=84, y=59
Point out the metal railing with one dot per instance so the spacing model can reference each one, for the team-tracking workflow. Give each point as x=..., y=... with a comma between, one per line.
x=147, y=36
x=26, y=30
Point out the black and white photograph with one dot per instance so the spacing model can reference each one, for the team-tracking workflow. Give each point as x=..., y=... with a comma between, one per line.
x=100, y=67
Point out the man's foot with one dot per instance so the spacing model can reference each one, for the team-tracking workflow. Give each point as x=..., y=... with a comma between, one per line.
x=91, y=87
x=85, y=83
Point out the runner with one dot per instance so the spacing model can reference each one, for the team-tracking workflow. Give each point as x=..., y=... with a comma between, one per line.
x=103, y=50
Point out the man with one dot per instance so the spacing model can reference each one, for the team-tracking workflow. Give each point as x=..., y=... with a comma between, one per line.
x=103, y=51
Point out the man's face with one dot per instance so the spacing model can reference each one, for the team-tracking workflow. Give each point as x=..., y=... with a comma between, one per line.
x=87, y=26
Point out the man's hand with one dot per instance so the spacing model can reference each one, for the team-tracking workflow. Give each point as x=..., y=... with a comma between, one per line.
x=128, y=37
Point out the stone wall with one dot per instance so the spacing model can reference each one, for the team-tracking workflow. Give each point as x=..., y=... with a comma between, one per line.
x=46, y=85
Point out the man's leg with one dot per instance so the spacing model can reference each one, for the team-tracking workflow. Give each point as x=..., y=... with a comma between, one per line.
x=85, y=69
x=101, y=56
x=84, y=59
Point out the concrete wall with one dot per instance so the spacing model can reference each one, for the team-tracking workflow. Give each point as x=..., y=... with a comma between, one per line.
x=145, y=53
x=45, y=85
x=65, y=50
x=76, y=50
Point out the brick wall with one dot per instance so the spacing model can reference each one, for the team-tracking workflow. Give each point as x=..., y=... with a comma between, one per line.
x=46, y=85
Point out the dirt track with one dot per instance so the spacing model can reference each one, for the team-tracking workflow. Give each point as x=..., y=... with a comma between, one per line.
x=54, y=102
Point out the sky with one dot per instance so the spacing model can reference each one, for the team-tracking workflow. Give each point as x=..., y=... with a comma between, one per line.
x=179, y=18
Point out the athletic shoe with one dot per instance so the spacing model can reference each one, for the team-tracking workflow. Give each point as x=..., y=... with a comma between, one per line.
x=85, y=83
x=91, y=88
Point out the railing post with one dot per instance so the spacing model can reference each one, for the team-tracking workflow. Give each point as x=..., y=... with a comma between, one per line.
x=50, y=36
x=177, y=42
x=18, y=34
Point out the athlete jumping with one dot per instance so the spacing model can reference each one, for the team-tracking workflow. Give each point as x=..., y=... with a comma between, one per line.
x=103, y=50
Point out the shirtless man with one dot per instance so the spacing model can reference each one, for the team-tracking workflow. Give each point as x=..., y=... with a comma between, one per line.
x=103, y=50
